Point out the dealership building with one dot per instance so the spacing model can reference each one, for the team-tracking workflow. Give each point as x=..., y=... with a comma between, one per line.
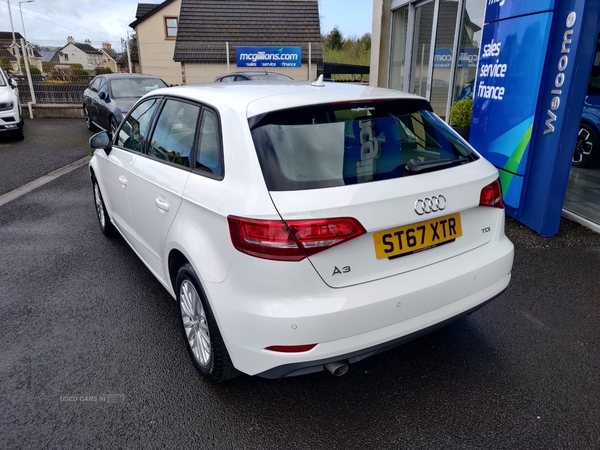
x=531, y=68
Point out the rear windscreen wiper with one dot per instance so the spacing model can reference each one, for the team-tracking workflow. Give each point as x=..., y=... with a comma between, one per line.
x=414, y=166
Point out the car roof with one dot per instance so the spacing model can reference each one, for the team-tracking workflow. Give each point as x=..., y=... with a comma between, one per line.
x=264, y=96
x=114, y=76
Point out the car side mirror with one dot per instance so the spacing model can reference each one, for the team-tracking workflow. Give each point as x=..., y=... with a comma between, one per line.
x=13, y=83
x=101, y=140
x=102, y=95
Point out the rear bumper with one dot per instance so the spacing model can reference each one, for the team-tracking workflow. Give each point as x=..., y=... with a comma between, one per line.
x=349, y=323
x=290, y=370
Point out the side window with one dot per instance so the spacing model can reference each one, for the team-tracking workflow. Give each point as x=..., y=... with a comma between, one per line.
x=170, y=27
x=209, y=155
x=103, y=86
x=95, y=84
x=173, y=136
x=134, y=130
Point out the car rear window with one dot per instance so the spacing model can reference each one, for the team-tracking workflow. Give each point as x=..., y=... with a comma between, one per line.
x=134, y=87
x=351, y=143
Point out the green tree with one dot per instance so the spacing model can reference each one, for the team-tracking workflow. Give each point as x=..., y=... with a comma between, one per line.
x=353, y=51
x=365, y=41
x=5, y=63
x=334, y=40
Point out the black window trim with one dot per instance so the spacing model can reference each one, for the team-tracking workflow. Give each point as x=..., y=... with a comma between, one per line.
x=142, y=151
x=220, y=140
x=146, y=148
x=162, y=99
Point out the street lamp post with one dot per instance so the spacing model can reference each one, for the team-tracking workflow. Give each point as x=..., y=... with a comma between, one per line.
x=23, y=23
x=14, y=42
x=12, y=28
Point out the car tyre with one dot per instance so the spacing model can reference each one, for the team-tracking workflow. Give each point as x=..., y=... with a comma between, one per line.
x=202, y=336
x=107, y=227
x=587, y=147
x=19, y=134
x=88, y=120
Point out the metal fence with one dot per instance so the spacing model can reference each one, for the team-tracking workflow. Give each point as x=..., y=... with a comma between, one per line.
x=59, y=73
x=47, y=92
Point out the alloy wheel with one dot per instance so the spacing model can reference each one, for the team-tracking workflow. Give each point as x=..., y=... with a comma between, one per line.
x=195, y=323
x=99, y=206
x=88, y=121
x=584, y=146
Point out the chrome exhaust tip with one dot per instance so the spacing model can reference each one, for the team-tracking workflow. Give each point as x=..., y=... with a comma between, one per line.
x=337, y=368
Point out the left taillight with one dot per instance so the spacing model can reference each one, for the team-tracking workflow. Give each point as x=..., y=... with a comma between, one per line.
x=491, y=195
x=291, y=240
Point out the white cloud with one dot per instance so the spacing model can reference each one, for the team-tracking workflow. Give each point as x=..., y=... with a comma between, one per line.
x=51, y=21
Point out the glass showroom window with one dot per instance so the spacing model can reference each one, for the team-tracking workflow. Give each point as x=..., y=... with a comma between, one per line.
x=398, y=59
x=468, y=49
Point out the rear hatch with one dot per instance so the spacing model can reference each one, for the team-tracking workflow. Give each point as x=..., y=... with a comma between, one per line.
x=414, y=188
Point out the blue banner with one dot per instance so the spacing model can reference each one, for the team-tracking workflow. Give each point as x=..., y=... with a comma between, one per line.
x=504, y=9
x=507, y=93
x=269, y=56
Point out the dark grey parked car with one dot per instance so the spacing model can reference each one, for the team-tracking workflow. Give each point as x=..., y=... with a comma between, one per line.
x=109, y=97
x=252, y=75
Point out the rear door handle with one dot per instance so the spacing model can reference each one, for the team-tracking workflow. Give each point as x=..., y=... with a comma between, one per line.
x=161, y=203
x=123, y=181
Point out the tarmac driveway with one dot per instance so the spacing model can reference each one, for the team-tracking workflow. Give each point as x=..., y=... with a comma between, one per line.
x=49, y=144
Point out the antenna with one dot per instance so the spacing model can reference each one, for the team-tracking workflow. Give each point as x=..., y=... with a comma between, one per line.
x=319, y=82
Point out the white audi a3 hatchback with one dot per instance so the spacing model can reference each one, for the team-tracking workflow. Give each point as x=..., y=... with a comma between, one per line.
x=302, y=226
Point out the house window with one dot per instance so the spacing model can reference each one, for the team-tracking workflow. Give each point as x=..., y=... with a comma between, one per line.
x=170, y=27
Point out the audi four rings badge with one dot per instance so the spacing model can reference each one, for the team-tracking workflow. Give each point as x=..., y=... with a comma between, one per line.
x=429, y=205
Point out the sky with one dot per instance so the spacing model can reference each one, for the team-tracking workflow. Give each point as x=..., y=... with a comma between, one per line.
x=49, y=22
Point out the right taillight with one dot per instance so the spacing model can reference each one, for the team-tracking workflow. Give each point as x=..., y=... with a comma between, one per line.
x=491, y=195
x=292, y=240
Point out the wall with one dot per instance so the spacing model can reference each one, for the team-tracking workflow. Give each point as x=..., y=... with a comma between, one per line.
x=75, y=56
x=381, y=39
x=156, y=52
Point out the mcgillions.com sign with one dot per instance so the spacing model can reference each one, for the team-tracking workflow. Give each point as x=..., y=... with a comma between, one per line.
x=269, y=56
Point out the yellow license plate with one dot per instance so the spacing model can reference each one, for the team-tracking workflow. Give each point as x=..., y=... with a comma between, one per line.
x=417, y=237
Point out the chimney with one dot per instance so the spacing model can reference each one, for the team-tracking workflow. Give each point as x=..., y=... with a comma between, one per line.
x=88, y=42
x=106, y=45
x=70, y=40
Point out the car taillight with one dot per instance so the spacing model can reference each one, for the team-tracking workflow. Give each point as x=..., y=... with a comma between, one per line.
x=293, y=240
x=291, y=348
x=491, y=195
